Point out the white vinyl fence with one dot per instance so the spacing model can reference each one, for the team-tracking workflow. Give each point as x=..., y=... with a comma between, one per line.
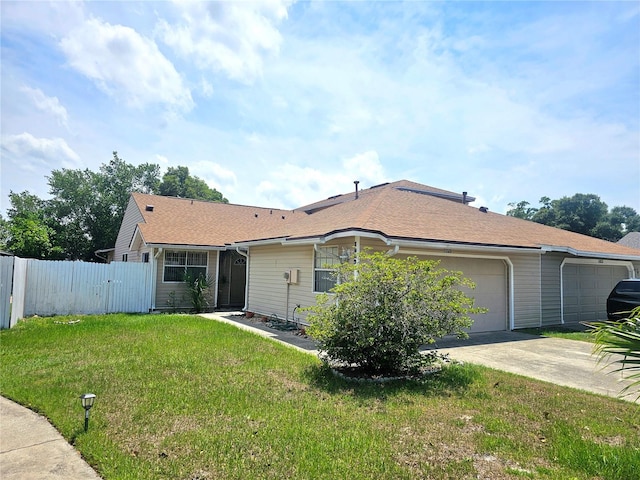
x=42, y=287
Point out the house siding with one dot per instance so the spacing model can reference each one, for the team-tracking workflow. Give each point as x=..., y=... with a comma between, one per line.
x=526, y=290
x=132, y=216
x=267, y=285
x=173, y=295
x=551, y=293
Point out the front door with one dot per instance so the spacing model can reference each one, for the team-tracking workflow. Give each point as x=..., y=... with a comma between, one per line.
x=238, y=281
x=231, y=283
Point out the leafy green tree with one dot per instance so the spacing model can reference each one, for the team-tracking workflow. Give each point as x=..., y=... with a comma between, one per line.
x=89, y=206
x=625, y=219
x=28, y=231
x=29, y=238
x=177, y=182
x=581, y=213
x=4, y=233
x=521, y=210
x=384, y=309
x=620, y=338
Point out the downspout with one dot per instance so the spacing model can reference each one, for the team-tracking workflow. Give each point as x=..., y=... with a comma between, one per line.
x=511, y=294
x=246, y=280
x=394, y=250
x=154, y=280
x=215, y=294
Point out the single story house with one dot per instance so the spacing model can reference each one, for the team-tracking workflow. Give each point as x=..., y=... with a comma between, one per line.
x=270, y=261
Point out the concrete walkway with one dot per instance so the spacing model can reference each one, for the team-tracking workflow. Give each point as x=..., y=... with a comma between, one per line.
x=31, y=449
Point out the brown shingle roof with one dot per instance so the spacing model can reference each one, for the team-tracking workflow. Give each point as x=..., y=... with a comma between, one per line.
x=402, y=184
x=394, y=210
x=180, y=221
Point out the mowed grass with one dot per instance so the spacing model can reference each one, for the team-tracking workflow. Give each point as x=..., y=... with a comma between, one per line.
x=571, y=332
x=184, y=397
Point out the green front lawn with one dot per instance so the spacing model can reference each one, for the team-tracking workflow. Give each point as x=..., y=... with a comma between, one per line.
x=183, y=397
x=574, y=332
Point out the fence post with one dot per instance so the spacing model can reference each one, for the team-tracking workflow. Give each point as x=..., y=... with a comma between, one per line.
x=6, y=287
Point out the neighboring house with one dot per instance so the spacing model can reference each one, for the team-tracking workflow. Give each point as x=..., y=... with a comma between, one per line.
x=631, y=239
x=270, y=261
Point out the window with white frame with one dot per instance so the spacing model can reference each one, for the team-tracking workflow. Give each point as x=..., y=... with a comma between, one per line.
x=324, y=271
x=179, y=264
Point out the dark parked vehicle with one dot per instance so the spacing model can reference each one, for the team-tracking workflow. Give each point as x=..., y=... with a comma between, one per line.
x=624, y=297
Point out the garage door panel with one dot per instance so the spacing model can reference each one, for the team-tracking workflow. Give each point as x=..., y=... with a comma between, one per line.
x=585, y=290
x=490, y=278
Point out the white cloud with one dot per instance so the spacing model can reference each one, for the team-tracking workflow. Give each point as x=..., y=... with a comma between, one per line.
x=231, y=37
x=161, y=159
x=206, y=88
x=125, y=65
x=291, y=186
x=49, y=105
x=216, y=176
x=30, y=153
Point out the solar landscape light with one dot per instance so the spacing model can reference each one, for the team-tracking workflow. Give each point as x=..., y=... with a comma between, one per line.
x=87, y=400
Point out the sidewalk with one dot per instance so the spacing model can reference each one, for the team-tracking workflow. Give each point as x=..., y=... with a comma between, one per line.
x=31, y=449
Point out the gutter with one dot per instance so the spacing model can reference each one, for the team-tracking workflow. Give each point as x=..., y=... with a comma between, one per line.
x=587, y=254
x=448, y=247
x=175, y=246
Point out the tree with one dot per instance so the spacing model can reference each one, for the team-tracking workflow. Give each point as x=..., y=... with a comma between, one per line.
x=384, y=309
x=28, y=232
x=89, y=206
x=86, y=208
x=581, y=213
x=177, y=182
x=521, y=210
x=620, y=338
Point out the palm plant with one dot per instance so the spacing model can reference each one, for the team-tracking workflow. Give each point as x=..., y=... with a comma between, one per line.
x=620, y=338
x=199, y=290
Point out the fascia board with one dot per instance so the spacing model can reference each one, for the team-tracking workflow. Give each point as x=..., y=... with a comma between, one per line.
x=462, y=246
x=254, y=243
x=588, y=254
x=185, y=247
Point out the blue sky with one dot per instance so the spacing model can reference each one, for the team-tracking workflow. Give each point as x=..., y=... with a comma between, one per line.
x=279, y=104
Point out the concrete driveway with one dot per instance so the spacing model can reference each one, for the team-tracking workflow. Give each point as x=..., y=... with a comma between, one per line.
x=555, y=360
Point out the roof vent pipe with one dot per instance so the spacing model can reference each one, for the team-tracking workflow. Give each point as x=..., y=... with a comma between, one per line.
x=464, y=198
x=356, y=182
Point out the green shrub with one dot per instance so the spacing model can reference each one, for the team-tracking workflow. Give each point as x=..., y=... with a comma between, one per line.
x=383, y=309
x=199, y=289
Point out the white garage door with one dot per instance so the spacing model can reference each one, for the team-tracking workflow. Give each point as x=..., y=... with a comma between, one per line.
x=490, y=277
x=585, y=289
